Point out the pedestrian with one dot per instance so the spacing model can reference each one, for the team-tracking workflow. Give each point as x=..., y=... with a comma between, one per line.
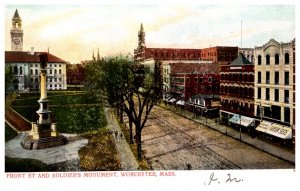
x=116, y=134
x=121, y=135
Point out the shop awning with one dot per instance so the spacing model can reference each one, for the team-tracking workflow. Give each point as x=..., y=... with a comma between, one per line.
x=243, y=120
x=264, y=126
x=280, y=131
x=180, y=102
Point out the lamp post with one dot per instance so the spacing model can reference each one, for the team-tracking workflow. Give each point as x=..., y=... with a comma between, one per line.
x=240, y=123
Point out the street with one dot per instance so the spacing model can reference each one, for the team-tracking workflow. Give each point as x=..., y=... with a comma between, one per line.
x=172, y=142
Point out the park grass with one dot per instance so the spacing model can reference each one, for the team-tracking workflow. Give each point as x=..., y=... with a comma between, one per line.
x=74, y=113
x=100, y=154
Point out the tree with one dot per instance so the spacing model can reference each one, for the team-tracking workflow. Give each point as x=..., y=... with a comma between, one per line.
x=127, y=87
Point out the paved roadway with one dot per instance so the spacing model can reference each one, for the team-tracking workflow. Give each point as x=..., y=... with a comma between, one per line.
x=173, y=142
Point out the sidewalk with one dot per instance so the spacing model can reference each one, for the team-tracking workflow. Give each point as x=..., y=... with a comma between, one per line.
x=259, y=144
x=128, y=160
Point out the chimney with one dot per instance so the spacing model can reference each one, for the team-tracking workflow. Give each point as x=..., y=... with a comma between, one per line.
x=32, y=51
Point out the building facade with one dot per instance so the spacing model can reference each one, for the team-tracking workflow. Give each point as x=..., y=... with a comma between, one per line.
x=237, y=92
x=248, y=53
x=25, y=66
x=275, y=82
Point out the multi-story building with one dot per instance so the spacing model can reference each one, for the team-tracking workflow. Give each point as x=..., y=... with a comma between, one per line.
x=237, y=92
x=275, y=87
x=191, y=84
x=222, y=55
x=24, y=65
x=248, y=53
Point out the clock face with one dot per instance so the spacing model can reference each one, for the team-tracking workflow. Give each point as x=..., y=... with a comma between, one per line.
x=16, y=41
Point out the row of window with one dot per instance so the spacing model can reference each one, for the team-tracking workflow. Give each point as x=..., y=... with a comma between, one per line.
x=50, y=71
x=237, y=91
x=20, y=71
x=238, y=77
x=275, y=112
x=276, y=95
x=276, y=77
x=50, y=65
x=49, y=80
x=286, y=59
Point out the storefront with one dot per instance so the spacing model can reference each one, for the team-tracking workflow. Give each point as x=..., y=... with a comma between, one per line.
x=241, y=120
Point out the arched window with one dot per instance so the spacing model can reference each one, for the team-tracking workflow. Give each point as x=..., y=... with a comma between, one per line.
x=259, y=60
x=267, y=59
x=276, y=59
x=21, y=70
x=286, y=58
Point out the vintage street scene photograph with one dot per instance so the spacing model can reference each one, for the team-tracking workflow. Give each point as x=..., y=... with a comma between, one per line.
x=146, y=88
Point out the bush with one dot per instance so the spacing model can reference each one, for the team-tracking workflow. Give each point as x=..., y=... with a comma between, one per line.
x=25, y=165
x=9, y=133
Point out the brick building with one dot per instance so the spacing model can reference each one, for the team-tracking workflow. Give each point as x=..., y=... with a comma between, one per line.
x=237, y=92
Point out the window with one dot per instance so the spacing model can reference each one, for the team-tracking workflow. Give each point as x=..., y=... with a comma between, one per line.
x=50, y=79
x=276, y=59
x=59, y=65
x=276, y=96
x=59, y=79
x=36, y=65
x=276, y=80
x=286, y=58
x=267, y=59
x=55, y=71
x=55, y=80
x=50, y=71
x=267, y=77
x=259, y=77
x=50, y=65
x=36, y=72
x=21, y=70
x=31, y=71
x=187, y=80
x=258, y=93
x=267, y=93
x=59, y=71
x=287, y=114
x=196, y=80
x=286, y=96
x=209, y=79
x=286, y=78
x=259, y=60
x=15, y=70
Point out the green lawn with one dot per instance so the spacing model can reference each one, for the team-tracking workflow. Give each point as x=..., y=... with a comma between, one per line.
x=25, y=165
x=71, y=112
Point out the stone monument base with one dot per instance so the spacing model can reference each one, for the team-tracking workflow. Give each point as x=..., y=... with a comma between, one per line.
x=42, y=143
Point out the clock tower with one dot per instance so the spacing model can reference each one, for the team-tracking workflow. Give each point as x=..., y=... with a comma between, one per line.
x=16, y=33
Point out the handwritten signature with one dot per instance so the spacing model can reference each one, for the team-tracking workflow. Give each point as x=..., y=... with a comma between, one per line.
x=228, y=179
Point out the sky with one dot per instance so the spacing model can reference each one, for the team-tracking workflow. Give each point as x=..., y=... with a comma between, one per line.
x=72, y=32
